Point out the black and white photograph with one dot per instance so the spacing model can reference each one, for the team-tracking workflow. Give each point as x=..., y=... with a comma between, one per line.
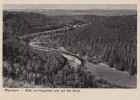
x=90, y=46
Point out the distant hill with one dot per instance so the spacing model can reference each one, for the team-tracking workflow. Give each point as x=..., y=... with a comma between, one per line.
x=54, y=12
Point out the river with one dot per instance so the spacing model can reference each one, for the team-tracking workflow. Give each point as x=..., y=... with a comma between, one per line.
x=101, y=71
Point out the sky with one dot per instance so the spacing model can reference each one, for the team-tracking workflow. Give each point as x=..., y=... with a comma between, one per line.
x=69, y=6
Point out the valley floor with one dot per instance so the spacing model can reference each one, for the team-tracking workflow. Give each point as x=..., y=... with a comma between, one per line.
x=100, y=70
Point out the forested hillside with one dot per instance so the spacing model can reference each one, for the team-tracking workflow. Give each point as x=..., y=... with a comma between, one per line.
x=45, y=69
x=112, y=40
x=20, y=23
x=107, y=39
x=24, y=66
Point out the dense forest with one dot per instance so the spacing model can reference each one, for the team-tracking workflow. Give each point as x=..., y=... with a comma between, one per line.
x=47, y=69
x=26, y=67
x=111, y=39
x=30, y=22
x=105, y=39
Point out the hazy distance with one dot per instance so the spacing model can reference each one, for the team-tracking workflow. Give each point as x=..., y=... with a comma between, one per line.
x=70, y=6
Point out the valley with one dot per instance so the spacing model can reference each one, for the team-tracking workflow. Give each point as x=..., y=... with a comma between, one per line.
x=101, y=70
x=77, y=49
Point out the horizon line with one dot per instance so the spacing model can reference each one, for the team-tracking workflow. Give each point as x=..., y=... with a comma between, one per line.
x=69, y=6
